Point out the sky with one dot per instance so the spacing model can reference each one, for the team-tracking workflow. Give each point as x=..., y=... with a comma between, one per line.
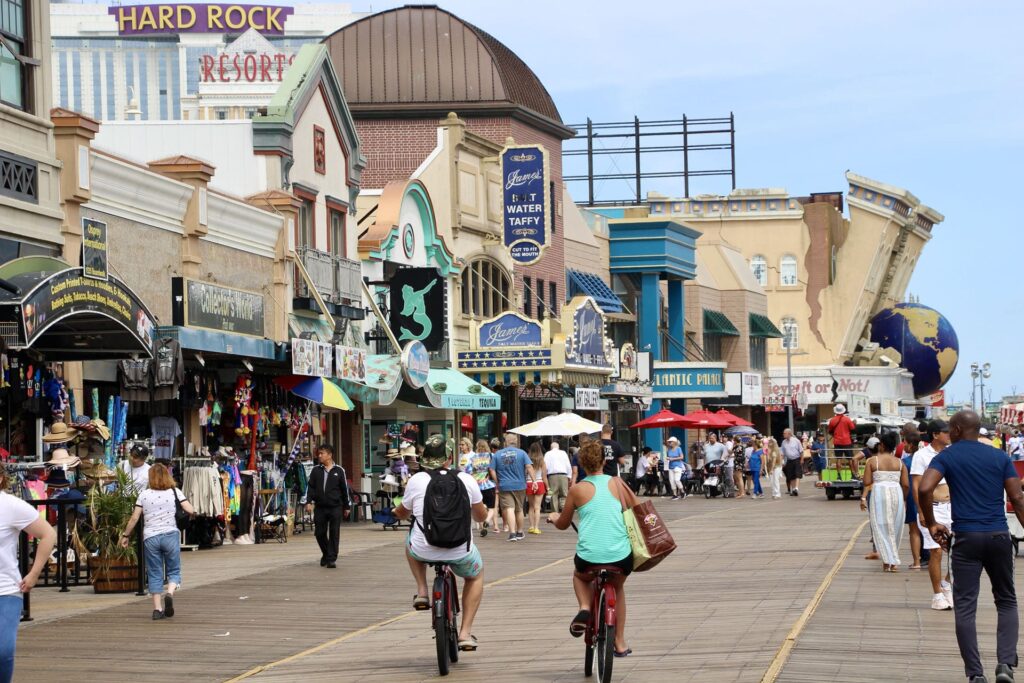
x=922, y=95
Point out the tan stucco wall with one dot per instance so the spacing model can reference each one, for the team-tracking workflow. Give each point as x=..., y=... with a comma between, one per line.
x=240, y=270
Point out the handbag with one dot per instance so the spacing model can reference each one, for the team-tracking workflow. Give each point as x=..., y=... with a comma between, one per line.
x=181, y=518
x=649, y=538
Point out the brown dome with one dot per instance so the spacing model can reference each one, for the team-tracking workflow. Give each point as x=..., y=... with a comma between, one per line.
x=423, y=59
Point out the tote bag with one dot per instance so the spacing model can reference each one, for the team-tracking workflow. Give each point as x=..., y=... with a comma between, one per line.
x=648, y=536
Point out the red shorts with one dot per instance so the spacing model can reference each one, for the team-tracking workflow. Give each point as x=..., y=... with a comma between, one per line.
x=536, y=488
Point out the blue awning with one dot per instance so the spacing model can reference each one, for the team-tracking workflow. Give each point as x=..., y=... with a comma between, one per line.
x=213, y=341
x=591, y=285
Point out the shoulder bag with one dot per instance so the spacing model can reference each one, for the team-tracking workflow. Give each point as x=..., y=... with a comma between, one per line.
x=648, y=536
x=181, y=518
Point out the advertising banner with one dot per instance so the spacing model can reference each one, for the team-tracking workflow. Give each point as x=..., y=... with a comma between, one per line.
x=312, y=358
x=350, y=363
x=588, y=399
x=94, y=249
x=214, y=307
x=526, y=202
x=509, y=329
x=585, y=346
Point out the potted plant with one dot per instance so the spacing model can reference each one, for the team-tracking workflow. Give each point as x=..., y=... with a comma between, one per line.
x=114, y=569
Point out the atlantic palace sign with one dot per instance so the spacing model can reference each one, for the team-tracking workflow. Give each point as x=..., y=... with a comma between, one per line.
x=173, y=18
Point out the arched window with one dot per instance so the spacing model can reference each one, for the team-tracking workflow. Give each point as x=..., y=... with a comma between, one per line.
x=759, y=267
x=486, y=289
x=787, y=271
x=790, y=333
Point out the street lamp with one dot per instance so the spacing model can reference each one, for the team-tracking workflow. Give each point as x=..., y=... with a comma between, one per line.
x=979, y=373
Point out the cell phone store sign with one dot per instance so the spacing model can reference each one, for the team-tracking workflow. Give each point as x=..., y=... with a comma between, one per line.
x=174, y=18
x=526, y=202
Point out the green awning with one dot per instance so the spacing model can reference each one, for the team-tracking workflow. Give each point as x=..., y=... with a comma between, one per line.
x=383, y=381
x=760, y=326
x=715, y=322
x=451, y=390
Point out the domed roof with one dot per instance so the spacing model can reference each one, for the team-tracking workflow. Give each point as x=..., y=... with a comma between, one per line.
x=421, y=58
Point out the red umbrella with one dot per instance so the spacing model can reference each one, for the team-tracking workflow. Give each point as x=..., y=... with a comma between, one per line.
x=663, y=418
x=704, y=419
x=736, y=420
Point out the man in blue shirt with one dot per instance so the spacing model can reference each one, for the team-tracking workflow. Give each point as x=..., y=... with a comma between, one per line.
x=978, y=475
x=818, y=453
x=509, y=467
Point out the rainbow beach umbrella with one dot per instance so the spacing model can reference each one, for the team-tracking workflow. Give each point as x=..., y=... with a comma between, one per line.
x=318, y=390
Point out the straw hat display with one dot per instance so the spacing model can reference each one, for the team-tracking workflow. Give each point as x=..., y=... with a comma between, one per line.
x=393, y=454
x=95, y=428
x=408, y=451
x=61, y=458
x=60, y=433
x=96, y=469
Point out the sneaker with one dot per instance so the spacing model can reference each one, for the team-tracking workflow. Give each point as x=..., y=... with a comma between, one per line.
x=675, y=497
x=940, y=603
x=796, y=492
x=520, y=535
x=513, y=537
x=168, y=605
x=483, y=531
x=947, y=591
x=157, y=615
x=331, y=565
x=1004, y=673
x=978, y=679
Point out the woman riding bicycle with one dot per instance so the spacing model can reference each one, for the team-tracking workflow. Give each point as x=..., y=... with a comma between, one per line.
x=600, y=500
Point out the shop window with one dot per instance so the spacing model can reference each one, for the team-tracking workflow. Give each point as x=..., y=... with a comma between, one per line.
x=758, y=353
x=759, y=267
x=14, y=60
x=485, y=289
x=541, y=308
x=787, y=271
x=712, y=347
x=337, y=233
x=553, y=297
x=790, y=333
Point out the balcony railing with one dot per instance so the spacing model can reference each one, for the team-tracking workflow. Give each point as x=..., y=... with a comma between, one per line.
x=337, y=279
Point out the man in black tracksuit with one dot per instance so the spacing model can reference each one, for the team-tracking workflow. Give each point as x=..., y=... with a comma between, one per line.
x=328, y=489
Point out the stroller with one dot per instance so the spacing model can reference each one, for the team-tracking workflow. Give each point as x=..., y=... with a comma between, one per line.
x=714, y=479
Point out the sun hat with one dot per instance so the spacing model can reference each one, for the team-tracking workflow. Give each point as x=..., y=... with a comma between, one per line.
x=57, y=477
x=437, y=452
x=61, y=458
x=672, y=439
x=389, y=480
x=60, y=433
x=408, y=451
x=840, y=409
x=96, y=469
x=392, y=454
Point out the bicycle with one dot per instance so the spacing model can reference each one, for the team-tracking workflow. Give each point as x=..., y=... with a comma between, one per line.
x=599, y=637
x=444, y=611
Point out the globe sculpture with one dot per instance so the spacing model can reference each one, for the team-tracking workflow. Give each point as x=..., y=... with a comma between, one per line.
x=925, y=339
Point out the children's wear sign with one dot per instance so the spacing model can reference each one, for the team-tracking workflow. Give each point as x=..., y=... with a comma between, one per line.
x=526, y=202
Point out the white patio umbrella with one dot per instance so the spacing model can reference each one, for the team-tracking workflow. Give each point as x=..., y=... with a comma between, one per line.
x=564, y=424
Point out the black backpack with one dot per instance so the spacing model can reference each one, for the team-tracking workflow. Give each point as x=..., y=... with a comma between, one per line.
x=447, y=514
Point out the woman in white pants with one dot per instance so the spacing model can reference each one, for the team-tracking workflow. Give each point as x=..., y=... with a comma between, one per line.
x=773, y=465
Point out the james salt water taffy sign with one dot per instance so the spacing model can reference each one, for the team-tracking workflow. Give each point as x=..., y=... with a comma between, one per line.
x=526, y=202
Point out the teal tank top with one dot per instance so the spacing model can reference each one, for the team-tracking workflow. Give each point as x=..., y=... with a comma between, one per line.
x=603, y=537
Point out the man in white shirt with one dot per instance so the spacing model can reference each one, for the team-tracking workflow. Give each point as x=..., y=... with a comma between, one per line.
x=791, y=449
x=1015, y=446
x=437, y=457
x=135, y=466
x=942, y=591
x=556, y=462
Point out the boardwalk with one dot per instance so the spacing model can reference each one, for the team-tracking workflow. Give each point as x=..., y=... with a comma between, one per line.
x=718, y=610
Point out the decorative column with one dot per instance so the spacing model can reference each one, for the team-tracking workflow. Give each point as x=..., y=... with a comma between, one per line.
x=196, y=173
x=650, y=339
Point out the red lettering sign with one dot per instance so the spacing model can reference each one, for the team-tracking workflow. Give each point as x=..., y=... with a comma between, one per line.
x=232, y=68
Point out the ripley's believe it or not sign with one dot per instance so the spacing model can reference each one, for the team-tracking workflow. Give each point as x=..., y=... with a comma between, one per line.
x=174, y=18
x=526, y=202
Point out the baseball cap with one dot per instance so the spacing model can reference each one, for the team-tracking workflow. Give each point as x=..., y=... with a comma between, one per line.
x=873, y=441
x=983, y=432
x=436, y=452
x=938, y=426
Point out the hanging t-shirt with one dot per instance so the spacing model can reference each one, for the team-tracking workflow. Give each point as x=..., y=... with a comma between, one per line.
x=158, y=511
x=15, y=515
x=165, y=431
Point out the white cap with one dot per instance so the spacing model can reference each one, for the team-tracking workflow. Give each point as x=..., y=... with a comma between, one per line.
x=840, y=409
x=873, y=441
x=983, y=432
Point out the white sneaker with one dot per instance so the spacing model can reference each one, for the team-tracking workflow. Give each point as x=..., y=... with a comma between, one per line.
x=947, y=591
x=940, y=603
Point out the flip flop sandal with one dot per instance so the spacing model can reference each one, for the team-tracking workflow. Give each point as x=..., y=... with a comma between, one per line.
x=468, y=645
x=578, y=626
x=420, y=603
x=915, y=567
x=625, y=653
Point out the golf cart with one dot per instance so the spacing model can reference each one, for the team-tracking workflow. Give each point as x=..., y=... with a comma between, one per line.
x=838, y=478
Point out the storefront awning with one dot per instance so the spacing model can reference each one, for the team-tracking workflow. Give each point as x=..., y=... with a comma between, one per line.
x=760, y=326
x=519, y=378
x=383, y=381
x=716, y=322
x=213, y=341
x=315, y=327
x=67, y=316
x=588, y=284
x=451, y=390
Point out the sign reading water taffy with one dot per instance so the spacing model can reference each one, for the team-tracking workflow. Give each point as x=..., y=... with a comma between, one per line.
x=135, y=20
x=94, y=249
x=526, y=202
x=509, y=329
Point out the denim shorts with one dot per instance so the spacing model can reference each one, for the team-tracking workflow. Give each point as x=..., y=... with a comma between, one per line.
x=163, y=557
x=466, y=567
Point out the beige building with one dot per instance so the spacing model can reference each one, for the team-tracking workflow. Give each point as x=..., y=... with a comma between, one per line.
x=30, y=216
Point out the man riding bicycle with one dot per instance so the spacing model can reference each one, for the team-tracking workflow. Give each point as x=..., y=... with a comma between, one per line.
x=464, y=559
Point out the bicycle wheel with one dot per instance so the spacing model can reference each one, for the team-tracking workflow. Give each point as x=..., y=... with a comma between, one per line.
x=441, y=634
x=588, y=662
x=605, y=644
x=453, y=622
